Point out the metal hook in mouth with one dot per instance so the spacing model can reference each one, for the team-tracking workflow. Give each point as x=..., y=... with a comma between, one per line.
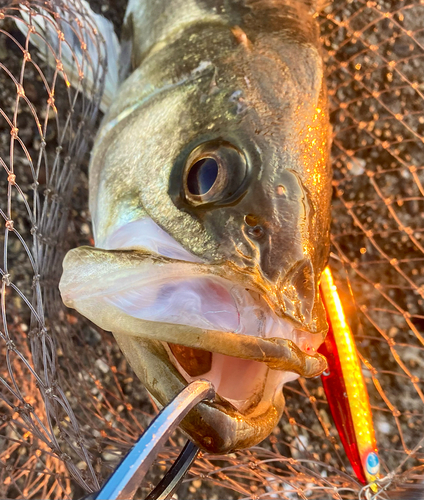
x=128, y=476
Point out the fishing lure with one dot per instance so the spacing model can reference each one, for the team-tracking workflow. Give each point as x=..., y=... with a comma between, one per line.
x=345, y=388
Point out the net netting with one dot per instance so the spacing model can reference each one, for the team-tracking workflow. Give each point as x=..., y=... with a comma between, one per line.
x=70, y=406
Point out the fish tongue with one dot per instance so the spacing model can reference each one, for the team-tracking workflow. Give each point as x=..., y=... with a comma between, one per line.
x=195, y=362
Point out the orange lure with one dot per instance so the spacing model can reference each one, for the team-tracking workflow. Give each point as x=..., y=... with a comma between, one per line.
x=345, y=388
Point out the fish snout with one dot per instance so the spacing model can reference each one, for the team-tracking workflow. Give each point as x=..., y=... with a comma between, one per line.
x=298, y=291
x=298, y=297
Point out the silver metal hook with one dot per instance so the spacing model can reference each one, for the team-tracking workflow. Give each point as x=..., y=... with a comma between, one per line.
x=126, y=479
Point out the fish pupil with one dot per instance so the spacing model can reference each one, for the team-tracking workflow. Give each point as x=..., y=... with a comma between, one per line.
x=202, y=176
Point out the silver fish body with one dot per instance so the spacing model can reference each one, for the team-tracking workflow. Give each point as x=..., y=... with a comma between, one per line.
x=210, y=189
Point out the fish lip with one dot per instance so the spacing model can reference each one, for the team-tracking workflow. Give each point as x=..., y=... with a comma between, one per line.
x=227, y=271
x=160, y=245
x=104, y=264
x=227, y=426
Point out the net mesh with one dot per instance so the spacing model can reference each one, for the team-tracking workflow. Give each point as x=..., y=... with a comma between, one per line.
x=70, y=406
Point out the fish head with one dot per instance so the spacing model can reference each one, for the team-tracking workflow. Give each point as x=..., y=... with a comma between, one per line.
x=210, y=201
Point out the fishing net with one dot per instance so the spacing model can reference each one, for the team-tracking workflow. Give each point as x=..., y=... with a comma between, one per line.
x=70, y=406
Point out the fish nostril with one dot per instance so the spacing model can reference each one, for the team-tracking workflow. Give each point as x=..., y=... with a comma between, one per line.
x=255, y=231
x=251, y=220
x=281, y=190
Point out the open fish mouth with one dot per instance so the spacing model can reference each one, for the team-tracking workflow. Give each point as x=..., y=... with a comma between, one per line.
x=180, y=320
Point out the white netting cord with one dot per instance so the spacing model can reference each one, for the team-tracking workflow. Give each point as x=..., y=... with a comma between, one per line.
x=44, y=148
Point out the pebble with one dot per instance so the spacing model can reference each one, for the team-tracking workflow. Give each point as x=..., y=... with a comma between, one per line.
x=109, y=457
x=384, y=426
x=357, y=166
x=298, y=446
x=102, y=366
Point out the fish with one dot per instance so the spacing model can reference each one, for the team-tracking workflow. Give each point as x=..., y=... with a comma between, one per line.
x=210, y=191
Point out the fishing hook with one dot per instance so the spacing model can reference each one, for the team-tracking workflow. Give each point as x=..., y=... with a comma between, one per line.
x=128, y=476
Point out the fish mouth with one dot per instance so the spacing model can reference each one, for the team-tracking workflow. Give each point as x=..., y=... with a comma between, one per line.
x=177, y=321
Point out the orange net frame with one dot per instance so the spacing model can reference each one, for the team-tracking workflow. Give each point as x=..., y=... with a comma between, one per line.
x=70, y=406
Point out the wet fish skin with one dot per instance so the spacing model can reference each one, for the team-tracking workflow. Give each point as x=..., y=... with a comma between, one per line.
x=182, y=94
x=246, y=74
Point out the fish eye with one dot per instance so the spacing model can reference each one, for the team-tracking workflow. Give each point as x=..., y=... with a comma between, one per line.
x=202, y=176
x=214, y=173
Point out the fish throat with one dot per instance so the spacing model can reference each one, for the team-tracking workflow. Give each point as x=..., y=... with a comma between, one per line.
x=195, y=362
x=241, y=382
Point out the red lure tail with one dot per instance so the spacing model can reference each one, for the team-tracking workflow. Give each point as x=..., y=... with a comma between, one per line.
x=335, y=390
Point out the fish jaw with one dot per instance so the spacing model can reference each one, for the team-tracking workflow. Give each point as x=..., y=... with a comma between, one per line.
x=100, y=285
x=216, y=427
